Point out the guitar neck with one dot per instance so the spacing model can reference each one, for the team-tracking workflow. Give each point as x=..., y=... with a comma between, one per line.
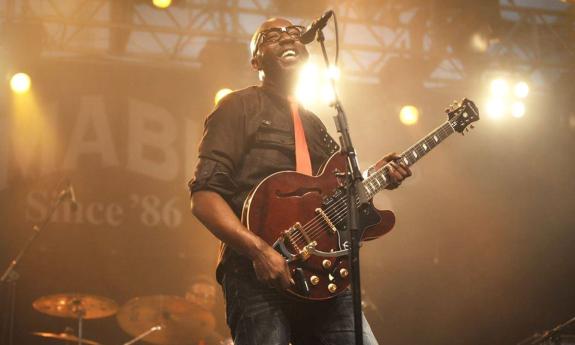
x=380, y=178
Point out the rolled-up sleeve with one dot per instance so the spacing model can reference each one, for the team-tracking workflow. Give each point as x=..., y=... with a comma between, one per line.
x=221, y=148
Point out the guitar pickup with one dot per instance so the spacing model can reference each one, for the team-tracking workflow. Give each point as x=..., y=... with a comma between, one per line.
x=326, y=219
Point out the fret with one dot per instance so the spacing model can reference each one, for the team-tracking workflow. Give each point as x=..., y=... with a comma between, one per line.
x=377, y=181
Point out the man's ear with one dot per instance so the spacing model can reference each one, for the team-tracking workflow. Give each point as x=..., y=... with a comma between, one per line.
x=256, y=62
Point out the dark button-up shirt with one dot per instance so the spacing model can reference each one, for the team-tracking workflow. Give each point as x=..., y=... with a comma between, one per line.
x=248, y=137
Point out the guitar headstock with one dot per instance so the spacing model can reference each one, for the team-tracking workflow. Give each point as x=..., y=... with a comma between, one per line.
x=462, y=114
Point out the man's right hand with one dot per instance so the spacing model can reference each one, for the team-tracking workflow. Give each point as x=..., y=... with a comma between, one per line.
x=271, y=268
x=214, y=212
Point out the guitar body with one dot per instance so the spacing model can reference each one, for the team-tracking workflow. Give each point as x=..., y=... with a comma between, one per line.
x=304, y=218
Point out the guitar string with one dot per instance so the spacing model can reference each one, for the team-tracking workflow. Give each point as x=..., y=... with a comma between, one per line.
x=319, y=227
x=312, y=232
x=315, y=230
x=319, y=222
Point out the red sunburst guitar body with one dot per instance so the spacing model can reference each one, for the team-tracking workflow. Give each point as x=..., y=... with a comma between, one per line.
x=283, y=210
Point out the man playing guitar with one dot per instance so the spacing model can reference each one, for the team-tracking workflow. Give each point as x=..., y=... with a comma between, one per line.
x=252, y=134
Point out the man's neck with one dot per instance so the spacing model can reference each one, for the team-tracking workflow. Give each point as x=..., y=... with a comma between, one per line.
x=283, y=88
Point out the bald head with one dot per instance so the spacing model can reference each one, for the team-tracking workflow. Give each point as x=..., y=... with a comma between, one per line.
x=268, y=24
x=278, y=54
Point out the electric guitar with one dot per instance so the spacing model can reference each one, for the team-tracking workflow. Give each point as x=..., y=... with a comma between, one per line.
x=303, y=216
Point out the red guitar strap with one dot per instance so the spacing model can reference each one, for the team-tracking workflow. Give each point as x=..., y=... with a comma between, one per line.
x=302, y=159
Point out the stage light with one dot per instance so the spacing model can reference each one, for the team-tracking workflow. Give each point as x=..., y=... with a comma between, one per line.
x=495, y=108
x=162, y=3
x=409, y=115
x=20, y=83
x=518, y=109
x=327, y=94
x=499, y=87
x=221, y=94
x=333, y=72
x=479, y=42
x=521, y=89
x=308, y=84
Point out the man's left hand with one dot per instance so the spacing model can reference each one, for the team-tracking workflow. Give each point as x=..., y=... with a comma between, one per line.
x=398, y=171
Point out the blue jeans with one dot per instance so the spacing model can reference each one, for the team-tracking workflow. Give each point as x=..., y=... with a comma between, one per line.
x=260, y=315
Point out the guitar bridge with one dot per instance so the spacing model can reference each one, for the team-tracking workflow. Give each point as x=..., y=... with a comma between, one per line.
x=305, y=253
x=291, y=236
x=326, y=219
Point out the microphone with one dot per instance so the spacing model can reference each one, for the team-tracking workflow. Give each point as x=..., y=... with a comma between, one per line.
x=310, y=32
x=72, y=195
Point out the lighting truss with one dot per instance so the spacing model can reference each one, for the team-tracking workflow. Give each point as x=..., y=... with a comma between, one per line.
x=372, y=32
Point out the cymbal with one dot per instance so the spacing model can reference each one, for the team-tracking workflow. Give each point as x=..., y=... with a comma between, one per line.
x=182, y=322
x=65, y=337
x=73, y=305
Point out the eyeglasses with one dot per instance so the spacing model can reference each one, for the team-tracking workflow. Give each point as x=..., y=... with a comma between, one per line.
x=274, y=35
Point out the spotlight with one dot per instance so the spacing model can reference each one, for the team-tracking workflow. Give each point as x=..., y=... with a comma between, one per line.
x=495, y=108
x=308, y=84
x=409, y=115
x=479, y=42
x=518, y=109
x=20, y=83
x=521, y=89
x=162, y=3
x=333, y=72
x=327, y=94
x=499, y=87
x=221, y=94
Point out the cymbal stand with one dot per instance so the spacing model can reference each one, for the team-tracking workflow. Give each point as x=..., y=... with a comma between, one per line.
x=80, y=311
x=145, y=334
x=10, y=276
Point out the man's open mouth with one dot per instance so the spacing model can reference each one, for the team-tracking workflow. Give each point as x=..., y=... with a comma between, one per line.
x=289, y=53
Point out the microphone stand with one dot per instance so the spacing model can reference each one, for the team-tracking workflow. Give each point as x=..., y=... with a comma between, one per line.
x=10, y=276
x=354, y=180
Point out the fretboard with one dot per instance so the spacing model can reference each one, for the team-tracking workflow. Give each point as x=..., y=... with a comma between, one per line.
x=380, y=178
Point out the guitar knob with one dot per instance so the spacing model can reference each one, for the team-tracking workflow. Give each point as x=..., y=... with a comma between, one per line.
x=314, y=280
x=332, y=287
x=326, y=263
x=343, y=273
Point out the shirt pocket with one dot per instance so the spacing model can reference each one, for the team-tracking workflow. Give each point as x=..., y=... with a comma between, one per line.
x=274, y=137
